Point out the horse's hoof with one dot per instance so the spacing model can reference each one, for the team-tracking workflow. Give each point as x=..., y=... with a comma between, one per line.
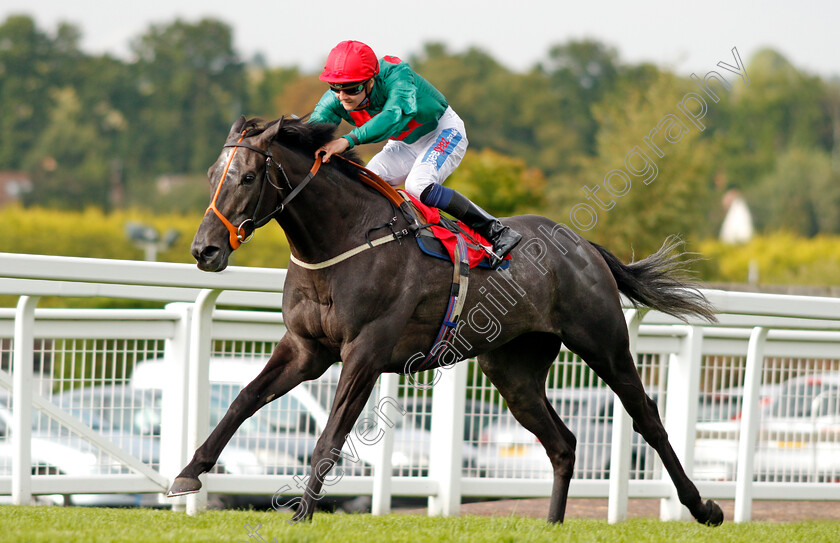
x=714, y=514
x=183, y=485
x=299, y=516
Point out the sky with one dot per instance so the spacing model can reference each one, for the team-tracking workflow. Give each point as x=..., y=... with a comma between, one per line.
x=682, y=36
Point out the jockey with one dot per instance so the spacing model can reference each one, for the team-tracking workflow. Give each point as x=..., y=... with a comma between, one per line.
x=386, y=99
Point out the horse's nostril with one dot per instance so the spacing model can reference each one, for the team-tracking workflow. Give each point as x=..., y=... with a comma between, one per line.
x=208, y=253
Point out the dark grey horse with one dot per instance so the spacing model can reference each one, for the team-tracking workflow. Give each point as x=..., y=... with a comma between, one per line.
x=377, y=310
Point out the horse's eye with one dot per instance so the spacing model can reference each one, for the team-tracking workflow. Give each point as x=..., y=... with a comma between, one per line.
x=248, y=178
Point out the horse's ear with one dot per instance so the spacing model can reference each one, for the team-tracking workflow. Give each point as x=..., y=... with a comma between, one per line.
x=271, y=131
x=237, y=126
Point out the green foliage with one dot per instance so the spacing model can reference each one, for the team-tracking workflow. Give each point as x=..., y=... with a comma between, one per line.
x=95, y=234
x=31, y=63
x=74, y=172
x=782, y=258
x=266, y=86
x=673, y=197
x=192, y=85
x=801, y=194
x=782, y=107
x=504, y=185
x=86, y=127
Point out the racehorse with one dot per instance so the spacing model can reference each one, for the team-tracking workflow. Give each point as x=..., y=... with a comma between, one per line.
x=375, y=310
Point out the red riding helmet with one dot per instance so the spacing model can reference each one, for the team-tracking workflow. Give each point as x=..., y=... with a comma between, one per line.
x=350, y=61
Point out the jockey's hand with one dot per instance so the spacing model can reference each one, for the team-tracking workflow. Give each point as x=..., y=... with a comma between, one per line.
x=336, y=146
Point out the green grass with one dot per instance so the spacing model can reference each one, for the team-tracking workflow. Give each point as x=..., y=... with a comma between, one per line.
x=71, y=524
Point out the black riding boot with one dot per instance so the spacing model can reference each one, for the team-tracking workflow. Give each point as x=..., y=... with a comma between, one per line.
x=504, y=238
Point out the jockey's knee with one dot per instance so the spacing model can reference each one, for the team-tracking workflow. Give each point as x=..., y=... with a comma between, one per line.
x=391, y=172
x=421, y=177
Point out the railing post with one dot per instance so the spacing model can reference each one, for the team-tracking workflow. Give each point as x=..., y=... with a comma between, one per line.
x=749, y=425
x=621, y=431
x=447, y=453
x=383, y=469
x=22, y=369
x=199, y=384
x=175, y=402
x=681, y=413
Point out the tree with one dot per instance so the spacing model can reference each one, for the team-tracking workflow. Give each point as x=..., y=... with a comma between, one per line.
x=801, y=194
x=495, y=103
x=69, y=168
x=580, y=74
x=266, y=86
x=635, y=207
x=28, y=70
x=192, y=85
x=781, y=108
x=501, y=184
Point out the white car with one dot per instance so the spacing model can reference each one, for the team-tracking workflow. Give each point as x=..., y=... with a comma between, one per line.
x=110, y=411
x=301, y=415
x=507, y=449
x=798, y=438
x=55, y=452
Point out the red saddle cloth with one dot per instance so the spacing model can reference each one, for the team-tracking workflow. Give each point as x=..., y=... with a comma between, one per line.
x=447, y=237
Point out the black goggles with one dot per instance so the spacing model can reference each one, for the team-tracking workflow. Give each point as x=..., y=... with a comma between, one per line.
x=351, y=89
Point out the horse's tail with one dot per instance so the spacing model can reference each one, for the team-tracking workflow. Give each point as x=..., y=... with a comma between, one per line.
x=661, y=282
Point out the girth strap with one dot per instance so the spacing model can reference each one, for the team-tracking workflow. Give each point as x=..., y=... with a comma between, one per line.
x=457, y=298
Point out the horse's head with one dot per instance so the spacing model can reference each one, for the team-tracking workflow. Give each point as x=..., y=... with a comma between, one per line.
x=238, y=195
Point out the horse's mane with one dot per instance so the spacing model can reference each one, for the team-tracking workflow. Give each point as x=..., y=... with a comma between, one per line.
x=296, y=133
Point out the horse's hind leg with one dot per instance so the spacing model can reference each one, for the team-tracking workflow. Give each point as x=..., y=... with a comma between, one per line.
x=288, y=366
x=606, y=350
x=519, y=370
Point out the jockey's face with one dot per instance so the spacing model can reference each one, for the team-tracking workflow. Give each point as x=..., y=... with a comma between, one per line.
x=352, y=101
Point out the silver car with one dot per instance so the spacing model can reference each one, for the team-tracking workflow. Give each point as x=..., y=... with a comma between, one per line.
x=506, y=449
x=798, y=438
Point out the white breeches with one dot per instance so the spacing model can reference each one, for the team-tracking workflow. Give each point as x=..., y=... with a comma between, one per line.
x=428, y=160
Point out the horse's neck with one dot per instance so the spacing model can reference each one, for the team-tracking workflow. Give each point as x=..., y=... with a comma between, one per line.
x=331, y=215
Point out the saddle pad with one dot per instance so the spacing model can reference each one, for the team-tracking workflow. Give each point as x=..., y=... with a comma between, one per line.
x=442, y=241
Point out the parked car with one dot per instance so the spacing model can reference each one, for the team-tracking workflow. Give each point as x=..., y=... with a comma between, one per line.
x=57, y=451
x=507, y=449
x=726, y=404
x=125, y=417
x=798, y=437
x=300, y=416
x=412, y=431
x=137, y=413
x=477, y=416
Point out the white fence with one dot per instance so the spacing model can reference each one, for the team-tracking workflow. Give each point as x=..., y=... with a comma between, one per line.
x=736, y=378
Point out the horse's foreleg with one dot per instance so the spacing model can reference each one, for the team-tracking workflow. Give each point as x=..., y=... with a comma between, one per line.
x=354, y=388
x=287, y=367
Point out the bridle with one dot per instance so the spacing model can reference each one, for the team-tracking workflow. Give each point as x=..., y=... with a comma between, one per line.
x=240, y=234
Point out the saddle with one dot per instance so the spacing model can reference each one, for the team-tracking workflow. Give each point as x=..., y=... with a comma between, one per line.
x=441, y=237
